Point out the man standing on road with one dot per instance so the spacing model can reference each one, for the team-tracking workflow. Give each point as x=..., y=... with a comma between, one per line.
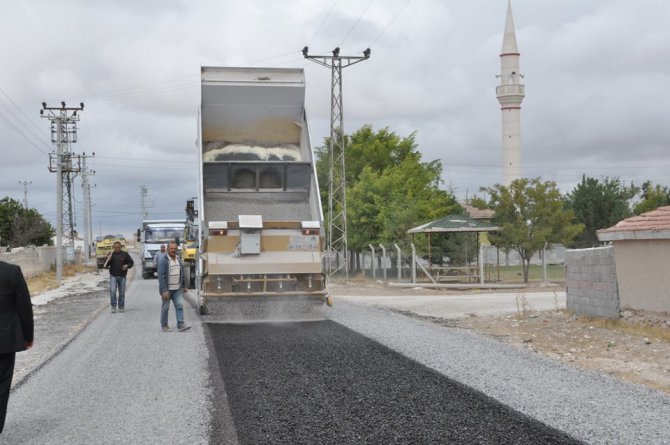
x=118, y=263
x=160, y=254
x=171, y=284
x=16, y=327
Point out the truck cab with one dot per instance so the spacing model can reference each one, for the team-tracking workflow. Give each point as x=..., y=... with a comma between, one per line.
x=154, y=233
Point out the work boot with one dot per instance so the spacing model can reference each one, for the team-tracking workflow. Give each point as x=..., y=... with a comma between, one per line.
x=113, y=309
x=122, y=309
x=167, y=329
x=183, y=327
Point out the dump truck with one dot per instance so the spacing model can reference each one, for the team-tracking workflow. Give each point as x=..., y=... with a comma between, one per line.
x=261, y=221
x=154, y=233
x=103, y=247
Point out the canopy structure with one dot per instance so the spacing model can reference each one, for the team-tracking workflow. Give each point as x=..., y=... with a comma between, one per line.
x=454, y=223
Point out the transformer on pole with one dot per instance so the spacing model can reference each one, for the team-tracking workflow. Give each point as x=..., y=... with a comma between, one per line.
x=338, y=252
x=63, y=133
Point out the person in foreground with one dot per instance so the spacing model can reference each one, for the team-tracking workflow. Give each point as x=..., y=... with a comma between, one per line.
x=171, y=284
x=118, y=263
x=16, y=327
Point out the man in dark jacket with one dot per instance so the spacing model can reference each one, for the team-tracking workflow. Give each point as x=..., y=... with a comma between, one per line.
x=16, y=327
x=118, y=263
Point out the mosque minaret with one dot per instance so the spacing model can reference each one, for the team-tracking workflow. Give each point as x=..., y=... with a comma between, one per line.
x=510, y=94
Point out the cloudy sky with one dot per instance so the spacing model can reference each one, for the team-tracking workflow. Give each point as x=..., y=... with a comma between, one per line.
x=597, y=76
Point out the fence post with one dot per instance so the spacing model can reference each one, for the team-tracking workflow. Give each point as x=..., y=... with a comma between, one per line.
x=481, y=263
x=544, y=265
x=399, y=262
x=413, y=263
x=372, y=257
x=383, y=261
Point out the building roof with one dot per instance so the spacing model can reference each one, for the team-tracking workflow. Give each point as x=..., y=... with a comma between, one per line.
x=454, y=223
x=649, y=225
x=475, y=213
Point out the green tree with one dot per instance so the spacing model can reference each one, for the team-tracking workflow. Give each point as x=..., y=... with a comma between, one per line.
x=20, y=226
x=652, y=197
x=389, y=189
x=531, y=214
x=599, y=204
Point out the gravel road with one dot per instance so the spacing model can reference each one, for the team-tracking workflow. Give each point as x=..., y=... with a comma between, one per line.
x=122, y=380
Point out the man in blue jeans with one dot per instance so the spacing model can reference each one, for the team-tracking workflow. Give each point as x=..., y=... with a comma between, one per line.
x=171, y=284
x=118, y=263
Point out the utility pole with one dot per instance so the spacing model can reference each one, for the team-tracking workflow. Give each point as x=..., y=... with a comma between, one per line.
x=143, y=201
x=25, y=192
x=88, y=224
x=63, y=133
x=337, y=203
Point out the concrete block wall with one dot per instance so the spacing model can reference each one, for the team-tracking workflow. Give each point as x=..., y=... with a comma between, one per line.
x=33, y=260
x=555, y=255
x=590, y=282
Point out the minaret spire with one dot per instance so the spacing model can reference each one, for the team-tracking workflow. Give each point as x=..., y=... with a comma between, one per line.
x=510, y=94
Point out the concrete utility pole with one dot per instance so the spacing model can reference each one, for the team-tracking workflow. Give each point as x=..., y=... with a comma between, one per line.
x=63, y=133
x=25, y=192
x=144, y=191
x=88, y=223
x=510, y=94
x=337, y=202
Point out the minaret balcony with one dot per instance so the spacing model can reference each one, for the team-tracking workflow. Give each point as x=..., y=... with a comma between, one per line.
x=511, y=90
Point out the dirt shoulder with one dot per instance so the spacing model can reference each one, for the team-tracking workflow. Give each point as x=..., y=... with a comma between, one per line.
x=636, y=350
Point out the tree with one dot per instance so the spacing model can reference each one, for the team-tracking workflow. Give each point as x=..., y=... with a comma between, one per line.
x=653, y=197
x=389, y=189
x=531, y=214
x=20, y=226
x=599, y=204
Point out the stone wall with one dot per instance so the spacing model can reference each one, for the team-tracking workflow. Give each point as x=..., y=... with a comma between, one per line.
x=33, y=260
x=591, y=282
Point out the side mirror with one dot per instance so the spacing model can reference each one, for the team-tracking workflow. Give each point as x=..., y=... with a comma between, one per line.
x=176, y=240
x=138, y=236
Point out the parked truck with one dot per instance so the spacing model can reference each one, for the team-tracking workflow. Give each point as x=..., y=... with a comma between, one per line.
x=261, y=236
x=154, y=233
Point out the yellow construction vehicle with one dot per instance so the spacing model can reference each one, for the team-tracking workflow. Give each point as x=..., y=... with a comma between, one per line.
x=103, y=247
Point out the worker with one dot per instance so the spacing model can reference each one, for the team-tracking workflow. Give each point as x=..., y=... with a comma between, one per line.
x=160, y=254
x=118, y=262
x=16, y=320
x=171, y=285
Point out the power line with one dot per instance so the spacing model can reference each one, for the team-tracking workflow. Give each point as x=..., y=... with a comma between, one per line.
x=309, y=42
x=356, y=22
x=27, y=119
x=389, y=23
x=21, y=133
